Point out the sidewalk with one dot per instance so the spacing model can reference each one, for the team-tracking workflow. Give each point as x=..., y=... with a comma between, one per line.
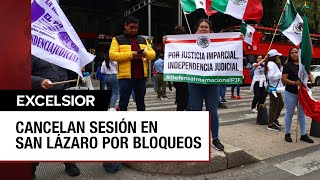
x=246, y=139
x=245, y=142
x=262, y=143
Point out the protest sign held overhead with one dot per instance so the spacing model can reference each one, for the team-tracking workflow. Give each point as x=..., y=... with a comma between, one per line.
x=204, y=58
x=53, y=38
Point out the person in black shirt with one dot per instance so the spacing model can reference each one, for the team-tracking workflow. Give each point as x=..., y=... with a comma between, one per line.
x=291, y=79
x=42, y=73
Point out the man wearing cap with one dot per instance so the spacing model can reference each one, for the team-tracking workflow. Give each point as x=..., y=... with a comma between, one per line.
x=273, y=74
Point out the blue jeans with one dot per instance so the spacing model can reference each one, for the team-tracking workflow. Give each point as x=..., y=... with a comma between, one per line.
x=102, y=84
x=223, y=89
x=238, y=89
x=291, y=101
x=133, y=96
x=210, y=93
x=112, y=84
x=139, y=88
x=155, y=82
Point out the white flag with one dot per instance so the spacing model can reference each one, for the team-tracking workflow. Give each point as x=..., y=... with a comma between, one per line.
x=53, y=38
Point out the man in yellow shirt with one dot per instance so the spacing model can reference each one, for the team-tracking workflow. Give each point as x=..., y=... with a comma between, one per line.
x=133, y=53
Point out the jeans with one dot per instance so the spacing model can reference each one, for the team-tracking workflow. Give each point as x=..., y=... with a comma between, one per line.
x=102, y=84
x=260, y=95
x=210, y=93
x=291, y=101
x=112, y=84
x=155, y=82
x=181, y=95
x=139, y=88
x=133, y=96
x=238, y=89
x=223, y=89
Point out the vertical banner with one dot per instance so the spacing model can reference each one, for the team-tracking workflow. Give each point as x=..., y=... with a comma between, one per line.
x=15, y=67
x=215, y=58
x=54, y=39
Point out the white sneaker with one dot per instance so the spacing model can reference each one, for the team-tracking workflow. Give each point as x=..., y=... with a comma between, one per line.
x=254, y=110
x=112, y=109
x=165, y=98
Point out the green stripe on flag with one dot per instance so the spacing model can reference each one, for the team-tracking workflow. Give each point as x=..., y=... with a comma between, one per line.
x=220, y=5
x=306, y=47
x=288, y=16
x=243, y=29
x=203, y=79
x=189, y=5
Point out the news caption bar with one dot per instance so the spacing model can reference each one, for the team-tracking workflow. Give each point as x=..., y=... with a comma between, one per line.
x=45, y=126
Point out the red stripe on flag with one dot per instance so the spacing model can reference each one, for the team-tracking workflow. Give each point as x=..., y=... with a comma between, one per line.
x=208, y=7
x=195, y=41
x=310, y=107
x=254, y=10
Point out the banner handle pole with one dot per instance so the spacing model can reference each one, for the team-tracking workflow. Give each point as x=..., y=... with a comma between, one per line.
x=297, y=123
x=78, y=81
x=63, y=82
x=275, y=31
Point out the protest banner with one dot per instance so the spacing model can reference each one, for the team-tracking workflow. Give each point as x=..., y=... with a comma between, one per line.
x=215, y=58
x=53, y=38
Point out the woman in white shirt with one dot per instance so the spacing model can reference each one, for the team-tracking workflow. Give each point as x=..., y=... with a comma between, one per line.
x=273, y=73
x=110, y=69
x=258, y=84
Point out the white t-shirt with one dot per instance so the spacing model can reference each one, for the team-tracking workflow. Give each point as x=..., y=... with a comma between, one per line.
x=258, y=76
x=112, y=70
x=258, y=73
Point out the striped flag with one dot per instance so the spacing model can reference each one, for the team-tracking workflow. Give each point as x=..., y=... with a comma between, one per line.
x=305, y=52
x=291, y=23
x=190, y=6
x=240, y=9
x=251, y=36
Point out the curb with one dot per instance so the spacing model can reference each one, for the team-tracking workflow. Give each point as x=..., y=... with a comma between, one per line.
x=231, y=157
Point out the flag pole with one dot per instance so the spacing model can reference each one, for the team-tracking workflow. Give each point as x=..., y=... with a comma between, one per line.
x=275, y=31
x=185, y=16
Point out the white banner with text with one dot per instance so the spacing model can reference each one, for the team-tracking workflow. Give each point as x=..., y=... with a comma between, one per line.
x=215, y=58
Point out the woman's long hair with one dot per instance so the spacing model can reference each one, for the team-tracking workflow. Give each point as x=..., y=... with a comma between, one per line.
x=290, y=60
x=107, y=59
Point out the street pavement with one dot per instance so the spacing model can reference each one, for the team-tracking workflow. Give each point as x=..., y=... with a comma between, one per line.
x=278, y=159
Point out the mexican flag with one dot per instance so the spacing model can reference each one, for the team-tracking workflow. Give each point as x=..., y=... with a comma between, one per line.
x=191, y=5
x=291, y=23
x=305, y=52
x=251, y=36
x=240, y=9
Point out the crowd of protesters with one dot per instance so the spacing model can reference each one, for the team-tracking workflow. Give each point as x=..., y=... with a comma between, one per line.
x=125, y=70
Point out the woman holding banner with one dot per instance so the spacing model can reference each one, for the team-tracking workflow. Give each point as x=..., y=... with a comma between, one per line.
x=210, y=93
x=290, y=77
